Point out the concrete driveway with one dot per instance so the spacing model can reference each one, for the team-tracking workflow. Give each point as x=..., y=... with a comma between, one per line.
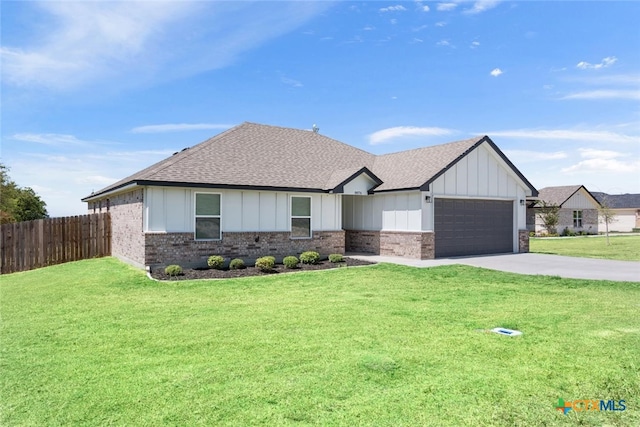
x=548, y=265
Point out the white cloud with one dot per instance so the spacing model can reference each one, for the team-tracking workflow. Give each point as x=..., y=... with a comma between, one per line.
x=525, y=156
x=496, y=72
x=417, y=40
x=369, y=28
x=590, y=153
x=446, y=7
x=62, y=180
x=443, y=43
x=420, y=28
x=597, y=160
x=385, y=135
x=481, y=6
x=604, y=165
x=475, y=44
x=396, y=8
x=76, y=44
x=422, y=7
x=425, y=8
x=567, y=135
x=52, y=139
x=606, y=62
x=441, y=24
x=178, y=127
x=605, y=94
x=291, y=82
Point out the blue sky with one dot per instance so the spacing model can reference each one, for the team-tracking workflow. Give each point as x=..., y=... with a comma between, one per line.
x=94, y=91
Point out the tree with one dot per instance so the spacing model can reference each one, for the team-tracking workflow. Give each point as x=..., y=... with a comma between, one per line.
x=18, y=204
x=549, y=214
x=606, y=215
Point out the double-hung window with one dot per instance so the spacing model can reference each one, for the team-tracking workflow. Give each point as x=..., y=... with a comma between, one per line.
x=577, y=219
x=300, y=217
x=207, y=216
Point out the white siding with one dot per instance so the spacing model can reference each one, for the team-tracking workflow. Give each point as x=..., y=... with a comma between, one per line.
x=580, y=200
x=481, y=174
x=625, y=220
x=359, y=185
x=394, y=211
x=169, y=209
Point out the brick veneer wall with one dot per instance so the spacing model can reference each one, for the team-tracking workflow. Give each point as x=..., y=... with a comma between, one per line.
x=181, y=248
x=523, y=241
x=410, y=244
x=367, y=242
x=589, y=220
x=127, y=238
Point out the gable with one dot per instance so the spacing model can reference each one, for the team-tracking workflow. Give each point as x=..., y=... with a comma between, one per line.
x=581, y=199
x=481, y=172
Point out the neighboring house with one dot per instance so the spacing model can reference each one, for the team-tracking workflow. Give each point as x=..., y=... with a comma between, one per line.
x=626, y=208
x=578, y=209
x=259, y=190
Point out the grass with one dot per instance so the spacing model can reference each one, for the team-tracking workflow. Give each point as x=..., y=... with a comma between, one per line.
x=97, y=343
x=626, y=248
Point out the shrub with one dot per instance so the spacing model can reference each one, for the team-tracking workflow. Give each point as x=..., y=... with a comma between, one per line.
x=310, y=257
x=290, y=262
x=173, y=270
x=265, y=263
x=237, y=264
x=215, y=261
x=568, y=233
x=336, y=258
x=532, y=234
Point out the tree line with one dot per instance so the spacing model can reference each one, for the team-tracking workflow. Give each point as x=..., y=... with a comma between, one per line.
x=18, y=203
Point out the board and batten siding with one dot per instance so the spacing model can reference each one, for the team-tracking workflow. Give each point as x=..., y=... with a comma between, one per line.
x=580, y=200
x=171, y=210
x=480, y=174
x=401, y=211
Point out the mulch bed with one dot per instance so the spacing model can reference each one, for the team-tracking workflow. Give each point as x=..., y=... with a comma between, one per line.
x=209, y=273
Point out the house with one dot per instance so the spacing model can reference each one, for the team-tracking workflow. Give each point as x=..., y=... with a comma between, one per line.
x=257, y=190
x=578, y=209
x=626, y=208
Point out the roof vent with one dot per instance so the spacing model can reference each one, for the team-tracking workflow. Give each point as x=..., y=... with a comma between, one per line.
x=315, y=128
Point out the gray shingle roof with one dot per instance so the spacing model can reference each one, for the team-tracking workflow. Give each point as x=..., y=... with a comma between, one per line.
x=619, y=201
x=558, y=195
x=262, y=156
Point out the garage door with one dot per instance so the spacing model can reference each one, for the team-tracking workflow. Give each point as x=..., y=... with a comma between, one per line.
x=472, y=227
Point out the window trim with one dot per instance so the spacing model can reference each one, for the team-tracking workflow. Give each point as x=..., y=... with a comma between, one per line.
x=196, y=216
x=577, y=219
x=291, y=217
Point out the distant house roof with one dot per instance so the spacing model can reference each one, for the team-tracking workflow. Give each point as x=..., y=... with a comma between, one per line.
x=275, y=158
x=559, y=195
x=619, y=201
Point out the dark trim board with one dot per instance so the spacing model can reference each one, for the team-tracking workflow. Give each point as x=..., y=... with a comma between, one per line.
x=472, y=227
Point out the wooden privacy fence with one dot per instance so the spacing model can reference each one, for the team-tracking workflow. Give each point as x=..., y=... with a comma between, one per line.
x=34, y=244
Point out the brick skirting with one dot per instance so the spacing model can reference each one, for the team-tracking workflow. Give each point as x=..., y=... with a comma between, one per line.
x=523, y=241
x=410, y=244
x=181, y=248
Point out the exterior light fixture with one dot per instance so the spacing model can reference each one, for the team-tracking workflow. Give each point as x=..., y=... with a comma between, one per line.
x=521, y=202
x=427, y=199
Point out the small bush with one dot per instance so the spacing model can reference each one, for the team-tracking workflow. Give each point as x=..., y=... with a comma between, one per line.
x=568, y=233
x=290, y=262
x=310, y=257
x=173, y=270
x=237, y=264
x=215, y=261
x=265, y=263
x=532, y=234
x=336, y=258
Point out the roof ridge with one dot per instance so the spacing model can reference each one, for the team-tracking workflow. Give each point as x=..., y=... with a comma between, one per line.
x=468, y=140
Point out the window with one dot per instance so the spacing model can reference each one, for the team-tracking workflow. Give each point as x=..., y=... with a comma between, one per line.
x=207, y=216
x=577, y=219
x=300, y=217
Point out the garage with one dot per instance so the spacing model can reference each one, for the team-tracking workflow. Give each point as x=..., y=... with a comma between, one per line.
x=472, y=227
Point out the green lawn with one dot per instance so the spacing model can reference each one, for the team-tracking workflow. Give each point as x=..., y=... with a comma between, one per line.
x=97, y=343
x=626, y=248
